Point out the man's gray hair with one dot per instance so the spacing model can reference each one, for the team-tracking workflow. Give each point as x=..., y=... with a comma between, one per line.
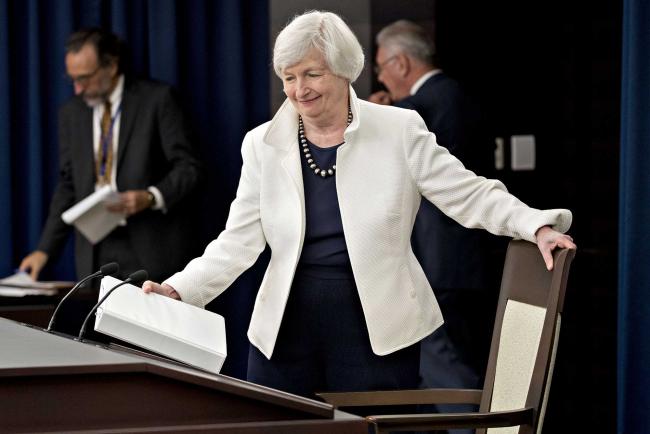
x=407, y=37
x=328, y=33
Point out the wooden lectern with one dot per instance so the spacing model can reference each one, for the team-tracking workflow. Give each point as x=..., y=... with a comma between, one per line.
x=51, y=383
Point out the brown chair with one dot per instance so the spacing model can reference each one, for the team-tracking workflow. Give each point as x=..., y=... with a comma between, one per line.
x=520, y=366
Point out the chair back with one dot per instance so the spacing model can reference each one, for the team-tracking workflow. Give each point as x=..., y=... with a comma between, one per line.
x=525, y=335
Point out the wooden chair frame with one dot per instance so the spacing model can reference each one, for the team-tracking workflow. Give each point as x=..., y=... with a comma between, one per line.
x=525, y=279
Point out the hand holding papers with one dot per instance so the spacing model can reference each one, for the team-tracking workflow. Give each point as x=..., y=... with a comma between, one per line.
x=91, y=217
x=169, y=327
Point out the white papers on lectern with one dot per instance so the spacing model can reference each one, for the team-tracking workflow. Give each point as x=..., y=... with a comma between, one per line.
x=169, y=327
x=91, y=217
x=21, y=284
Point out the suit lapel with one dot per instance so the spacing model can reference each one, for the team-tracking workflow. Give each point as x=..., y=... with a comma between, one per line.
x=291, y=163
x=129, y=109
x=282, y=135
x=85, y=149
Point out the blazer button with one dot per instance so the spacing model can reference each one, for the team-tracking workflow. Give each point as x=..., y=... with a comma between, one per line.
x=412, y=294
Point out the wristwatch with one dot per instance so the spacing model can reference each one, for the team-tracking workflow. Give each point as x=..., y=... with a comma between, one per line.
x=152, y=199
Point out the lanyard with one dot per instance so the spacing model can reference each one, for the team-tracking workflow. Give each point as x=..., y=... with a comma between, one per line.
x=106, y=140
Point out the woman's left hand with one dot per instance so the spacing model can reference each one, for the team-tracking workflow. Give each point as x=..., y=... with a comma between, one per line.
x=548, y=239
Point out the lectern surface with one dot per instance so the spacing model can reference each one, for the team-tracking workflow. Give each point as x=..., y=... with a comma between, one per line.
x=53, y=383
x=28, y=348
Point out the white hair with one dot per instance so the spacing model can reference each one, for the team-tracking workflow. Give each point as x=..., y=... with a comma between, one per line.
x=408, y=37
x=326, y=32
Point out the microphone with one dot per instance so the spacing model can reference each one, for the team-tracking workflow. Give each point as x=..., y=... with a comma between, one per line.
x=105, y=270
x=137, y=276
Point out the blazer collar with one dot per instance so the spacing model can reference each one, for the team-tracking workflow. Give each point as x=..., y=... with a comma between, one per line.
x=127, y=118
x=283, y=129
x=84, y=152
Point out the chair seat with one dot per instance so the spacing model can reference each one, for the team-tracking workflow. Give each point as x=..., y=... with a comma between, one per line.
x=403, y=397
x=415, y=422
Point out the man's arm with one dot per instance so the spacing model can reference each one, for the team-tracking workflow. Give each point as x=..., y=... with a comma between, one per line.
x=55, y=232
x=179, y=149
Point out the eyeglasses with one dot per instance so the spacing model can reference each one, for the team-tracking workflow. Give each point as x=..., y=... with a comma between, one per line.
x=379, y=67
x=83, y=79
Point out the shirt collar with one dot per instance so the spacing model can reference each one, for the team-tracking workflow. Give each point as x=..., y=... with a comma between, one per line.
x=418, y=84
x=116, y=96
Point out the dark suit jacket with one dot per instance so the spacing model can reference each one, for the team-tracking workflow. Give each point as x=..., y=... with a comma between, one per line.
x=155, y=149
x=451, y=255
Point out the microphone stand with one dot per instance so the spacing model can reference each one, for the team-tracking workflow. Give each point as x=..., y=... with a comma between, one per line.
x=139, y=275
x=107, y=269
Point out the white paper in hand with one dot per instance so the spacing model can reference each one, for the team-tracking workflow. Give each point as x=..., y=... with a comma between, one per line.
x=91, y=217
x=169, y=327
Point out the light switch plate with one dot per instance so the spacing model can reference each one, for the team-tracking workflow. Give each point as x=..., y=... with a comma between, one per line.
x=499, y=157
x=522, y=152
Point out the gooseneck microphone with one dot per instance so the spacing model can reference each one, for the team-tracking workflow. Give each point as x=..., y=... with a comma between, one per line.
x=137, y=276
x=105, y=270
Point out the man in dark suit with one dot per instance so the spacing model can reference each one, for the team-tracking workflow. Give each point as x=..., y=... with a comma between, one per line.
x=451, y=255
x=131, y=135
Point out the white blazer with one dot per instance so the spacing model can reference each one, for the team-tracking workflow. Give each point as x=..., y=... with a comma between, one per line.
x=388, y=162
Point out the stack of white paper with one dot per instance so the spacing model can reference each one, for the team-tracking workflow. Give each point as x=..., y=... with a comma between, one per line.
x=169, y=327
x=21, y=284
x=91, y=217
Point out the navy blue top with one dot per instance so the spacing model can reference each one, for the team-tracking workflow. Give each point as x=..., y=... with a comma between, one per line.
x=324, y=241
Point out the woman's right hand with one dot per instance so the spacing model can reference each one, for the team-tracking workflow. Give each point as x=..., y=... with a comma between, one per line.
x=162, y=289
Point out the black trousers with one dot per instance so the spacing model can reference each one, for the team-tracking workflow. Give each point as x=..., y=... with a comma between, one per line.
x=323, y=344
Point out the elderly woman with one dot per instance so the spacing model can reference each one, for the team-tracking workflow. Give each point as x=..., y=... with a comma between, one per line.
x=332, y=184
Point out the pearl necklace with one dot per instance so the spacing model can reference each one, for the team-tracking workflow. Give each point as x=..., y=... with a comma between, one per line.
x=307, y=153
